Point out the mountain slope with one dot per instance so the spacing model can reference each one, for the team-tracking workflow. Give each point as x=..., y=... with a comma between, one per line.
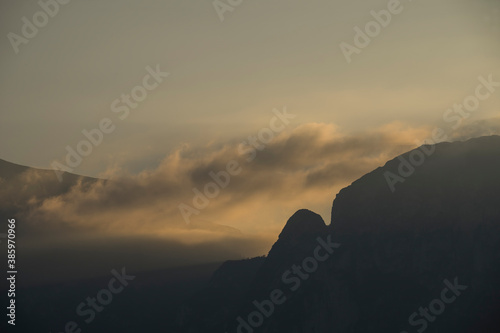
x=397, y=252
x=457, y=186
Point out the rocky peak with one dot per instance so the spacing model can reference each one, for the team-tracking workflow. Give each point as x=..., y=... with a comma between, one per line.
x=303, y=222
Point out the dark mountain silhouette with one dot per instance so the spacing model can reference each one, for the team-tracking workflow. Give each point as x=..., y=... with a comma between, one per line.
x=150, y=303
x=455, y=187
x=384, y=258
x=396, y=251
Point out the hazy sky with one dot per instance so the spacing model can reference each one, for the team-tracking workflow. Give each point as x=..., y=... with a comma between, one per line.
x=225, y=79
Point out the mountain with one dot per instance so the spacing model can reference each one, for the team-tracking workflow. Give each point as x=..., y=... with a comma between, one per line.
x=420, y=255
x=42, y=183
x=456, y=186
x=413, y=246
x=148, y=304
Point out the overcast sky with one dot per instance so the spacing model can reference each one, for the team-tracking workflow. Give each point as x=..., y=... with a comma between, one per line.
x=226, y=77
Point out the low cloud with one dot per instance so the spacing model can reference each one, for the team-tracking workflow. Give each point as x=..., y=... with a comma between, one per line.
x=478, y=128
x=301, y=168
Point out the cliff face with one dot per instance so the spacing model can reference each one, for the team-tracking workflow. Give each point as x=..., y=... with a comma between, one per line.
x=456, y=186
x=425, y=257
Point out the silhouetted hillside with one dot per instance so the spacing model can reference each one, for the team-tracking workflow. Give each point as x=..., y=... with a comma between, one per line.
x=392, y=253
x=424, y=257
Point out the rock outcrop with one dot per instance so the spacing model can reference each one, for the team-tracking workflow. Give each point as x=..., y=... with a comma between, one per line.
x=398, y=252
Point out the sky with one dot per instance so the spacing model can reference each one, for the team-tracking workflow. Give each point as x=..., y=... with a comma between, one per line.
x=226, y=80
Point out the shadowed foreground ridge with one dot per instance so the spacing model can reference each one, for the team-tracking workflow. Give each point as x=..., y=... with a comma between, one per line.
x=398, y=252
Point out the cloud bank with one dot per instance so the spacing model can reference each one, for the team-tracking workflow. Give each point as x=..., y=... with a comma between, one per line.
x=131, y=217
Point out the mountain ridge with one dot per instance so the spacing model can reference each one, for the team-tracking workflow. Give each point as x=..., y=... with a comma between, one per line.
x=385, y=270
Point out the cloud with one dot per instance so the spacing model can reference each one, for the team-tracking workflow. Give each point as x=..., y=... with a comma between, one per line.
x=311, y=160
x=478, y=128
x=301, y=168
